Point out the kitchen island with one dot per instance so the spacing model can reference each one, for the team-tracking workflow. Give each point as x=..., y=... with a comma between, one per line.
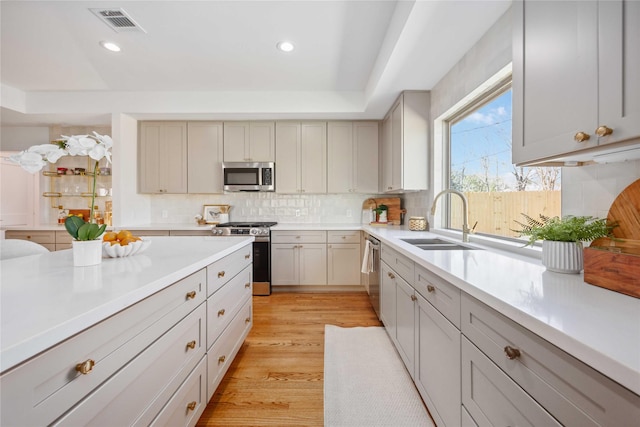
x=73, y=335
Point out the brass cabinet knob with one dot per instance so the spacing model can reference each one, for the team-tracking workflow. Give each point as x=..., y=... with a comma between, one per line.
x=191, y=295
x=414, y=298
x=221, y=359
x=581, y=137
x=221, y=312
x=247, y=285
x=512, y=353
x=191, y=344
x=430, y=288
x=86, y=367
x=604, y=131
x=247, y=256
x=221, y=274
x=247, y=320
x=191, y=405
x=391, y=275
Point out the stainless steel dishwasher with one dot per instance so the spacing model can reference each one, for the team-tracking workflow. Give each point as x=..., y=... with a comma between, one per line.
x=373, y=271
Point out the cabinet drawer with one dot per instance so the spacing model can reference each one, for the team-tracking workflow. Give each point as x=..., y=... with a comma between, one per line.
x=492, y=398
x=570, y=390
x=221, y=271
x=224, y=305
x=442, y=295
x=62, y=237
x=180, y=411
x=44, y=387
x=401, y=264
x=34, y=236
x=221, y=355
x=343, y=237
x=308, y=236
x=150, y=379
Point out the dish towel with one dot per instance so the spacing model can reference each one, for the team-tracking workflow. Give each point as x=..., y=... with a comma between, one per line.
x=367, y=260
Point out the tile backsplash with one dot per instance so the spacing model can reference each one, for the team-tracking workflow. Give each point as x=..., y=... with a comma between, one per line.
x=294, y=208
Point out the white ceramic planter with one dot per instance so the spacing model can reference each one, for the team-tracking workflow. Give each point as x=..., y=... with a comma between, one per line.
x=562, y=257
x=87, y=252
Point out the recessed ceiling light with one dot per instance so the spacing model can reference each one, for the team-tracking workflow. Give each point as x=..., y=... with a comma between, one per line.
x=110, y=46
x=285, y=46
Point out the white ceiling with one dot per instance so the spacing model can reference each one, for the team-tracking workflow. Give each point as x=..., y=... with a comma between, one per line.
x=217, y=59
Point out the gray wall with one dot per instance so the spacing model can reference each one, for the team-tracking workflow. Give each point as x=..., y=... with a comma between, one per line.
x=18, y=138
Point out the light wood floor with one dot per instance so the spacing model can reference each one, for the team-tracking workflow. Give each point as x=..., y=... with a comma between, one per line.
x=277, y=378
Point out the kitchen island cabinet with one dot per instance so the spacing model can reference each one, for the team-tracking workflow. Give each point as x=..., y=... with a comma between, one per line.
x=577, y=63
x=127, y=341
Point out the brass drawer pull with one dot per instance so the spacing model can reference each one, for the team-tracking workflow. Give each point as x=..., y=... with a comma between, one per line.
x=247, y=285
x=247, y=320
x=221, y=274
x=191, y=295
x=86, y=367
x=512, y=353
x=191, y=406
x=430, y=288
x=191, y=344
x=221, y=312
x=247, y=256
x=391, y=275
x=581, y=137
x=414, y=298
x=221, y=359
x=604, y=131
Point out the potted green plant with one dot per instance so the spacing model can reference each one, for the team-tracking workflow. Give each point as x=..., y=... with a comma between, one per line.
x=562, y=238
x=382, y=213
x=85, y=233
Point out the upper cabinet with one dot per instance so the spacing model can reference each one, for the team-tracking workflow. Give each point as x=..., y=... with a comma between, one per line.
x=405, y=137
x=575, y=78
x=204, y=157
x=301, y=157
x=249, y=142
x=352, y=152
x=162, y=162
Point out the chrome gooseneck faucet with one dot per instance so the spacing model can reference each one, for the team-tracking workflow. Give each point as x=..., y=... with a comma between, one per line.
x=465, y=212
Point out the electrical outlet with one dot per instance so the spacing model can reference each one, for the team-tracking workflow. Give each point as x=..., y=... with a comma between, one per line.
x=165, y=214
x=297, y=212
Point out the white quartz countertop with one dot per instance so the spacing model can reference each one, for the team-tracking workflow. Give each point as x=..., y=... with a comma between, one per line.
x=597, y=326
x=159, y=226
x=44, y=299
x=304, y=227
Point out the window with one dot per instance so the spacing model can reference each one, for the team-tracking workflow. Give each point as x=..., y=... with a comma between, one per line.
x=479, y=154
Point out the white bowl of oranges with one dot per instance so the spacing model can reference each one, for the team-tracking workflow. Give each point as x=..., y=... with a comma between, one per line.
x=122, y=243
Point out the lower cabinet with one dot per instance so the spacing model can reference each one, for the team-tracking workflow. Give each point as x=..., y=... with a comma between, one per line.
x=146, y=365
x=406, y=323
x=52, y=240
x=388, y=299
x=315, y=258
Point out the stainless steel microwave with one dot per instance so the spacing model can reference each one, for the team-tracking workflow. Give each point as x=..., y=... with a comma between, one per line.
x=249, y=176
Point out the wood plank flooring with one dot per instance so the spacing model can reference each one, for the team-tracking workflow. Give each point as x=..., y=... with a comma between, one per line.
x=277, y=378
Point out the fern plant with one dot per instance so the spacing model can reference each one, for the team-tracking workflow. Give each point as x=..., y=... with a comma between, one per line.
x=566, y=229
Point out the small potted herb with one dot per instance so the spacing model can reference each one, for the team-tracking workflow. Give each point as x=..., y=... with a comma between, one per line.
x=562, y=238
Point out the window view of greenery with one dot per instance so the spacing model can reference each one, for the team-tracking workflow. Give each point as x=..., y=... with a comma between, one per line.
x=481, y=168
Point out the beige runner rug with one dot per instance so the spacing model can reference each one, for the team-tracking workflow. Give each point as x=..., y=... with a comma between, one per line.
x=365, y=382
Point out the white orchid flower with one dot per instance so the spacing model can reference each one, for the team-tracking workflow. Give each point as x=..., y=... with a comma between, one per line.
x=30, y=161
x=79, y=145
x=50, y=152
x=99, y=151
x=104, y=139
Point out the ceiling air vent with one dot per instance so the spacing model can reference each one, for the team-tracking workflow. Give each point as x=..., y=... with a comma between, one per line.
x=117, y=19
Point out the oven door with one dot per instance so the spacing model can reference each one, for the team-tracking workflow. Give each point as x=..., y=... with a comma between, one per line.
x=261, y=267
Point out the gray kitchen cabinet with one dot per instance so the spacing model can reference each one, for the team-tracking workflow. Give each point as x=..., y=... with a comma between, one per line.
x=249, y=142
x=204, y=157
x=437, y=370
x=162, y=161
x=572, y=392
x=301, y=157
x=405, y=143
x=406, y=311
x=52, y=240
x=388, y=298
x=352, y=152
x=575, y=68
x=298, y=258
x=343, y=258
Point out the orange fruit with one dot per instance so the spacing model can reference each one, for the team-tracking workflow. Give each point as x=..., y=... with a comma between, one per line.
x=110, y=236
x=126, y=241
x=124, y=234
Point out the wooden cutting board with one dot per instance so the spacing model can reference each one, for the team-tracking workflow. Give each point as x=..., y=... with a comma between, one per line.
x=625, y=211
x=392, y=203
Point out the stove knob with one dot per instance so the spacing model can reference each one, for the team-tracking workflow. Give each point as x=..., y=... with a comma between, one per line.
x=265, y=231
x=254, y=231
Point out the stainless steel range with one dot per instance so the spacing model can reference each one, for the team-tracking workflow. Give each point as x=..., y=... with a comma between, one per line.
x=261, y=249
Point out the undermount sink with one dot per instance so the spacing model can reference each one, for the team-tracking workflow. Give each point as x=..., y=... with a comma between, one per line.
x=437, y=245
